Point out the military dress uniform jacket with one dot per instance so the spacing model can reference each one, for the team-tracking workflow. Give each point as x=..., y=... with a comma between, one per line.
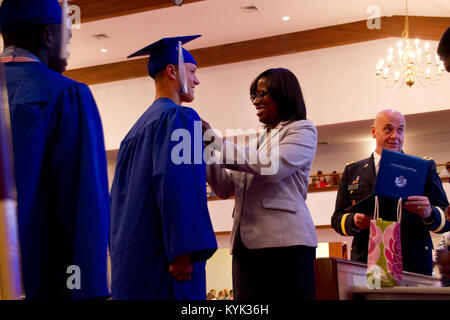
x=358, y=181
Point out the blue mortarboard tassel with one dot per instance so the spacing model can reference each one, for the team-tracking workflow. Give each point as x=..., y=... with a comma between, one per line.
x=164, y=52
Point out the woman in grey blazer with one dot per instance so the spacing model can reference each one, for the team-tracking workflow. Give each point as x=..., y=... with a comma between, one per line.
x=273, y=240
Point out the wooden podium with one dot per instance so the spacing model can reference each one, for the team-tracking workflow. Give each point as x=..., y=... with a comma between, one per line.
x=338, y=279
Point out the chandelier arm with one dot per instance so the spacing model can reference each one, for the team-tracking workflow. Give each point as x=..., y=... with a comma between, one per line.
x=405, y=33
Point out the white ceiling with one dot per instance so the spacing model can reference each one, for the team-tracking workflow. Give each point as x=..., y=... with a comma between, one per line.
x=223, y=21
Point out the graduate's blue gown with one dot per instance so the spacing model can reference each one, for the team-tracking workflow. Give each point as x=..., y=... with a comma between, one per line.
x=159, y=208
x=62, y=186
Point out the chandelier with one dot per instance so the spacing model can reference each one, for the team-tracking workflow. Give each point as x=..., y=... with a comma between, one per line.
x=409, y=63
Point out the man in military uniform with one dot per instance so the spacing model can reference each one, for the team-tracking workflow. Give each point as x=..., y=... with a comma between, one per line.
x=421, y=214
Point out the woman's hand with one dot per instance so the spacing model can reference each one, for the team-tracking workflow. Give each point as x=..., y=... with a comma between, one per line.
x=210, y=136
x=205, y=126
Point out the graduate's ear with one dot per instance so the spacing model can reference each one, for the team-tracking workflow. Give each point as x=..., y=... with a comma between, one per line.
x=171, y=71
x=47, y=36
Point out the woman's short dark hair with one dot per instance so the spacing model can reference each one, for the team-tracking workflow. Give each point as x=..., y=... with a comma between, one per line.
x=444, y=45
x=285, y=91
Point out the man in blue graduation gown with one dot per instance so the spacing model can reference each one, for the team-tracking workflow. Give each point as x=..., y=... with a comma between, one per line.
x=59, y=159
x=161, y=232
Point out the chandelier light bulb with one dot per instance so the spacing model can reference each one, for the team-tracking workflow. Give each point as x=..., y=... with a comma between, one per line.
x=438, y=59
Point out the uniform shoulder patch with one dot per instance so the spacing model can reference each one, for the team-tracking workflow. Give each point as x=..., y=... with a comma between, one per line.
x=428, y=158
x=349, y=163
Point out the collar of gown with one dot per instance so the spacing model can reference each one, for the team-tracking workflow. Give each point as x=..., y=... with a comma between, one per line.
x=22, y=55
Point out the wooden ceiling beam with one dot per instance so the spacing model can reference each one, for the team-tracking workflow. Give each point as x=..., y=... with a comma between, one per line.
x=92, y=10
x=425, y=28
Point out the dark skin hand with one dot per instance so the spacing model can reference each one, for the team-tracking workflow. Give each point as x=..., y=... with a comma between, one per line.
x=211, y=133
x=181, y=267
x=211, y=136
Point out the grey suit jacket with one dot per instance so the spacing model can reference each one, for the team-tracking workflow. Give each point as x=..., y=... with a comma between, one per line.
x=270, y=208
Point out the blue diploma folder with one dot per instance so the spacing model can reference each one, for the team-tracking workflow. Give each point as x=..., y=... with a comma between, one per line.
x=400, y=175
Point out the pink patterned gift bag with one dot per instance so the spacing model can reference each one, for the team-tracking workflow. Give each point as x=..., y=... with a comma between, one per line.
x=384, y=263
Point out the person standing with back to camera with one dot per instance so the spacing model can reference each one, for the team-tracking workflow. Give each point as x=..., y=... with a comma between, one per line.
x=59, y=157
x=273, y=241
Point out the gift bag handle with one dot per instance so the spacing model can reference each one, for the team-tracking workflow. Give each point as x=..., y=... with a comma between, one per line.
x=375, y=210
x=399, y=209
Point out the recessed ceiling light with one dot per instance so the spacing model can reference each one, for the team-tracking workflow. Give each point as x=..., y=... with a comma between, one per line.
x=286, y=18
x=100, y=36
x=104, y=50
x=249, y=9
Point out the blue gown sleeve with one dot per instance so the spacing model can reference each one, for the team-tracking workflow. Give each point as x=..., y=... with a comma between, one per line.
x=79, y=187
x=181, y=187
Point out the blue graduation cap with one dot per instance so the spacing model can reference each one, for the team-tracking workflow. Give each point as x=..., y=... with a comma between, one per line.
x=24, y=13
x=166, y=51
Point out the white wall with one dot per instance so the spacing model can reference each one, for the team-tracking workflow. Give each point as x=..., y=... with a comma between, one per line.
x=218, y=271
x=331, y=157
x=320, y=204
x=338, y=84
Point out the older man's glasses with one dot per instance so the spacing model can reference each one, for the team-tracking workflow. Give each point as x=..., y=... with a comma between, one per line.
x=258, y=96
